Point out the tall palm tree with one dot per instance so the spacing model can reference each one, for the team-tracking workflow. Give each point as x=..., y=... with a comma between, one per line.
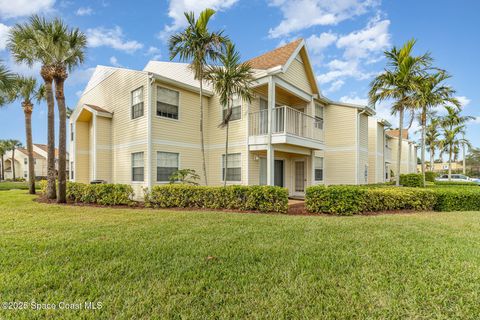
x=13, y=145
x=431, y=92
x=453, y=126
x=69, y=53
x=399, y=82
x=3, y=150
x=30, y=42
x=199, y=46
x=27, y=90
x=432, y=138
x=231, y=79
x=7, y=84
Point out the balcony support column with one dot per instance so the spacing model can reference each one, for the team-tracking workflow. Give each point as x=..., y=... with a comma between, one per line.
x=270, y=149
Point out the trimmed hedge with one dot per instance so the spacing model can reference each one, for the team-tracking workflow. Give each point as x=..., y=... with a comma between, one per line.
x=414, y=180
x=349, y=200
x=455, y=183
x=457, y=199
x=430, y=176
x=102, y=194
x=258, y=198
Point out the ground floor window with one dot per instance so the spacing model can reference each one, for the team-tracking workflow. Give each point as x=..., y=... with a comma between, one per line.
x=318, y=168
x=234, y=164
x=72, y=176
x=167, y=164
x=137, y=166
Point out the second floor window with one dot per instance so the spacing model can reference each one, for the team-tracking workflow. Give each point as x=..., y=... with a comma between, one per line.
x=137, y=166
x=236, y=110
x=167, y=164
x=137, y=103
x=25, y=161
x=167, y=103
x=318, y=116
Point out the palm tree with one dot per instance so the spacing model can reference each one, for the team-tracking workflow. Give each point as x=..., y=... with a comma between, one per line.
x=34, y=42
x=231, y=79
x=431, y=92
x=398, y=82
x=199, y=46
x=69, y=53
x=13, y=145
x=453, y=125
x=27, y=90
x=7, y=84
x=432, y=138
x=3, y=150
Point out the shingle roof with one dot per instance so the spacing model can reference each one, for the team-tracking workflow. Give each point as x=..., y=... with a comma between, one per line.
x=45, y=148
x=96, y=108
x=277, y=57
x=396, y=133
x=35, y=155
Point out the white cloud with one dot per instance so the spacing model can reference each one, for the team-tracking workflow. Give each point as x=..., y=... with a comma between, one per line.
x=353, y=99
x=340, y=69
x=114, y=62
x=177, y=8
x=368, y=42
x=476, y=120
x=335, y=86
x=113, y=38
x=84, y=11
x=80, y=76
x=154, y=53
x=20, y=8
x=317, y=44
x=463, y=100
x=303, y=14
x=4, y=29
x=23, y=68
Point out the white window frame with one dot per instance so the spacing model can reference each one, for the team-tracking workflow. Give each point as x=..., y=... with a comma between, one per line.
x=222, y=168
x=132, y=105
x=318, y=117
x=156, y=100
x=132, y=167
x=241, y=110
x=156, y=166
x=315, y=168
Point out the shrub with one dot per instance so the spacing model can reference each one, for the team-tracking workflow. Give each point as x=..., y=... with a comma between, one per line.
x=349, y=200
x=457, y=199
x=259, y=198
x=455, y=183
x=430, y=176
x=43, y=186
x=414, y=180
x=103, y=194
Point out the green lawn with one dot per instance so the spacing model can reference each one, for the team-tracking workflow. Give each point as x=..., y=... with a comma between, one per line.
x=154, y=264
x=13, y=185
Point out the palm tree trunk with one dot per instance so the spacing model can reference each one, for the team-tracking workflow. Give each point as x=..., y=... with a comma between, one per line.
x=204, y=164
x=51, y=176
x=62, y=144
x=432, y=160
x=31, y=161
x=424, y=131
x=464, y=164
x=13, y=163
x=450, y=164
x=399, y=154
x=3, y=170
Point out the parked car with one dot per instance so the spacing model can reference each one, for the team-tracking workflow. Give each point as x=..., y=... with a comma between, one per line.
x=457, y=178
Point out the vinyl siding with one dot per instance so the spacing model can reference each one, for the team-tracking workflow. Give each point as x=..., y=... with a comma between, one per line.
x=82, y=152
x=104, y=149
x=297, y=76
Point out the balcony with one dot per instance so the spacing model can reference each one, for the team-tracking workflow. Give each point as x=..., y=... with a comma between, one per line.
x=289, y=126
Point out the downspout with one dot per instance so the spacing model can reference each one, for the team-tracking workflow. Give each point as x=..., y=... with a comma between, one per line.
x=358, y=146
x=151, y=80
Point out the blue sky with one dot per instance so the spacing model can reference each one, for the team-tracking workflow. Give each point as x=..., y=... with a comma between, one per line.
x=345, y=38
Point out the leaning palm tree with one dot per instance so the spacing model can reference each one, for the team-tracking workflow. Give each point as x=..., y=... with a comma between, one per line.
x=399, y=82
x=26, y=91
x=230, y=80
x=69, y=53
x=32, y=42
x=13, y=145
x=431, y=92
x=453, y=126
x=199, y=46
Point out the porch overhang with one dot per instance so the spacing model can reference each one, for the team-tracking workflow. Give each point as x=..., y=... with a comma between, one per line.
x=287, y=139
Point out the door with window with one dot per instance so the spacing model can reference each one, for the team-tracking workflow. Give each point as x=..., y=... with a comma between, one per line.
x=300, y=177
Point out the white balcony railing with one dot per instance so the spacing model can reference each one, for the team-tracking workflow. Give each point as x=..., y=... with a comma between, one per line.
x=286, y=120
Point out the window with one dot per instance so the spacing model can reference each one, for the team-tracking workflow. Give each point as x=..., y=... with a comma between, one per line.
x=236, y=110
x=167, y=103
x=71, y=131
x=318, y=168
x=24, y=174
x=234, y=171
x=25, y=161
x=318, y=116
x=167, y=163
x=137, y=166
x=137, y=103
x=72, y=176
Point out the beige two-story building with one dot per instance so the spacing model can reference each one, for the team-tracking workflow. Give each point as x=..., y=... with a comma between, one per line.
x=139, y=126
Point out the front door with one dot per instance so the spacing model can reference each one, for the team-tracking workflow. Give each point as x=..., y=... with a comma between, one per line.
x=278, y=177
x=299, y=176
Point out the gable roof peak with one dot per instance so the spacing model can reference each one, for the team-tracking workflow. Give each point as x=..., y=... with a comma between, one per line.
x=276, y=57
